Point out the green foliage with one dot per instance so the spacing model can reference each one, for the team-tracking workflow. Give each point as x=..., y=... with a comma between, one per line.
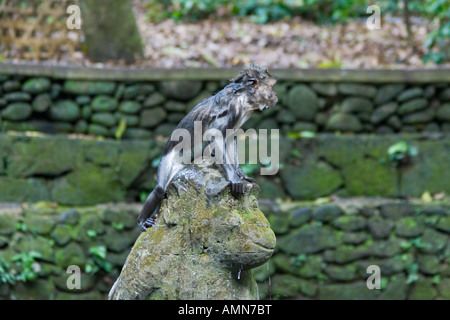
x=6, y=275
x=299, y=260
x=438, y=40
x=118, y=226
x=97, y=261
x=121, y=129
x=25, y=268
x=400, y=152
x=29, y=268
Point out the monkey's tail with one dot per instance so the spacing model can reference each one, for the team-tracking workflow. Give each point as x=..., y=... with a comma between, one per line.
x=151, y=206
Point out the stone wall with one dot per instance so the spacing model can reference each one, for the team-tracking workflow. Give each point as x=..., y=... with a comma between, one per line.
x=95, y=171
x=150, y=108
x=323, y=250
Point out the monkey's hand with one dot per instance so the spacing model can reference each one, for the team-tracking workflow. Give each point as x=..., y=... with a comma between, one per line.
x=149, y=222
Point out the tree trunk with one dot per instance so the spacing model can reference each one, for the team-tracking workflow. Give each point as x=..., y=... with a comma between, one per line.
x=110, y=30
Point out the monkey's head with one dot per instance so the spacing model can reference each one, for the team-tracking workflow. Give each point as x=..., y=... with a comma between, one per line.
x=257, y=84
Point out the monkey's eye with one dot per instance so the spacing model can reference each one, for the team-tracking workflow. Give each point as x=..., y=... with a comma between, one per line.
x=252, y=82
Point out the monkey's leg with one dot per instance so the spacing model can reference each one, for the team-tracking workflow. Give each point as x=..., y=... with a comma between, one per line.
x=166, y=171
x=230, y=166
x=240, y=173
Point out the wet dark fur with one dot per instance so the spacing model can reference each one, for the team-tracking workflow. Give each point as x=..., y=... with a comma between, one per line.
x=222, y=111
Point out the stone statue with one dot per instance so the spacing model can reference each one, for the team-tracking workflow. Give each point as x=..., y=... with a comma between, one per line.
x=203, y=244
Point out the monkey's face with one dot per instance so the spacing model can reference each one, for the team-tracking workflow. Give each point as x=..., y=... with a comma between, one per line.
x=258, y=84
x=265, y=96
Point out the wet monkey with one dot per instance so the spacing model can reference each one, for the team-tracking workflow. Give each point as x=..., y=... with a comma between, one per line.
x=230, y=108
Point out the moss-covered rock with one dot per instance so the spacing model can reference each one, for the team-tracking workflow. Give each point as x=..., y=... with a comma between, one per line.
x=327, y=212
x=369, y=177
x=444, y=288
x=300, y=216
x=343, y=122
x=285, y=286
x=152, y=117
x=41, y=102
x=353, y=291
x=231, y=236
x=354, y=238
x=154, y=100
x=88, y=185
x=387, y=92
x=40, y=244
x=17, y=111
x=423, y=289
x=396, y=210
x=412, y=106
x=379, y=227
x=310, y=182
x=341, y=273
x=22, y=190
x=181, y=89
x=72, y=254
x=104, y=119
x=82, y=87
x=387, y=248
x=350, y=223
x=39, y=224
x=307, y=109
x=40, y=289
x=104, y=103
x=61, y=235
x=31, y=158
x=65, y=110
x=17, y=97
x=433, y=241
x=308, y=239
x=428, y=264
x=408, y=228
x=444, y=224
x=359, y=90
x=396, y=288
x=36, y=85
x=7, y=224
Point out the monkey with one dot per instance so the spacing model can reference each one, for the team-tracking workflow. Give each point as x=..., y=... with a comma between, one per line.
x=252, y=89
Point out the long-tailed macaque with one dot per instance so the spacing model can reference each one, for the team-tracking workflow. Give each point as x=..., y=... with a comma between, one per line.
x=230, y=108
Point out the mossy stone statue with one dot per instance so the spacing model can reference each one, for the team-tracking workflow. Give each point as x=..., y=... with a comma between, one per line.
x=203, y=245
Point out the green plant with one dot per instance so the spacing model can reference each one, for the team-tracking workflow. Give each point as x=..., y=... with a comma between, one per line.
x=438, y=40
x=29, y=268
x=98, y=260
x=400, y=153
x=118, y=226
x=412, y=270
x=91, y=233
x=6, y=275
x=299, y=260
x=121, y=129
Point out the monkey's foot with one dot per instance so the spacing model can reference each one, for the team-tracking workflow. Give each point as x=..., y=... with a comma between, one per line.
x=237, y=188
x=149, y=222
x=243, y=176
